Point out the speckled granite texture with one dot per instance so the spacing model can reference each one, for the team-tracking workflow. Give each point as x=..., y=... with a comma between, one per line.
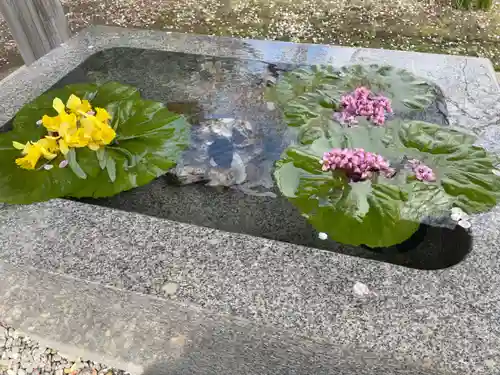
x=446, y=321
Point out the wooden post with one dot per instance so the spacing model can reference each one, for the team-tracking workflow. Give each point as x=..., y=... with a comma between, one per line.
x=38, y=26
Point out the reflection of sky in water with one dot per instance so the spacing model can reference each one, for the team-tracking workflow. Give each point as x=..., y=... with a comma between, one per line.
x=297, y=53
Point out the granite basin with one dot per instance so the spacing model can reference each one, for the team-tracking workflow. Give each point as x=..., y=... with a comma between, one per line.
x=98, y=272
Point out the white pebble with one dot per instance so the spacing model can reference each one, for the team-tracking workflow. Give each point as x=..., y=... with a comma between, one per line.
x=465, y=224
x=322, y=236
x=170, y=288
x=361, y=289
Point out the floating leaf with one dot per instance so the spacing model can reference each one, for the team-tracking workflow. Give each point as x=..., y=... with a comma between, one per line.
x=381, y=211
x=311, y=95
x=149, y=142
x=406, y=91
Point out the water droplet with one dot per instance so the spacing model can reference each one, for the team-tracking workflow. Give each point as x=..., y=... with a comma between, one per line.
x=63, y=164
x=48, y=167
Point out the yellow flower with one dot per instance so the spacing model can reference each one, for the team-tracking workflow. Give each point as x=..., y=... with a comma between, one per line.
x=33, y=154
x=54, y=123
x=98, y=132
x=71, y=136
x=102, y=115
x=78, y=106
x=46, y=147
x=76, y=125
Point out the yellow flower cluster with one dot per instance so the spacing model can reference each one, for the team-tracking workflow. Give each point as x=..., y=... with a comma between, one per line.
x=76, y=125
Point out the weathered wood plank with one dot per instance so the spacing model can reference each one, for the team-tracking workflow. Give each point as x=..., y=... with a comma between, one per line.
x=38, y=26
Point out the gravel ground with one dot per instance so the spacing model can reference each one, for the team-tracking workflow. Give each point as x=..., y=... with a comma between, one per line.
x=19, y=355
x=420, y=25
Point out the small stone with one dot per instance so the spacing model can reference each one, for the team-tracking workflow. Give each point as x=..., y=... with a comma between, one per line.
x=4, y=363
x=10, y=332
x=361, y=289
x=15, y=349
x=56, y=358
x=270, y=106
x=322, y=236
x=465, y=224
x=170, y=288
x=14, y=355
x=59, y=372
x=21, y=372
x=11, y=372
x=3, y=331
x=8, y=342
x=28, y=366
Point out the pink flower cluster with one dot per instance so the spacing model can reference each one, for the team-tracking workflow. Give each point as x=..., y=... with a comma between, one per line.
x=422, y=171
x=357, y=163
x=362, y=102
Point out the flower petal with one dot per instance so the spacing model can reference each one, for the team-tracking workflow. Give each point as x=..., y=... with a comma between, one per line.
x=102, y=115
x=63, y=146
x=59, y=106
x=74, y=103
x=18, y=145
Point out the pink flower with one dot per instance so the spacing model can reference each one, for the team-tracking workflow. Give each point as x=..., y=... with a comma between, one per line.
x=422, y=171
x=357, y=163
x=362, y=102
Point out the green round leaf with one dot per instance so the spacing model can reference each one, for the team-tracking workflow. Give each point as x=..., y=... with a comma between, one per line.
x=300, y=81
x=386, y=211
x=148, y=143
x=406, y=91
x=309, y=95
x=464, y=172
x=20, y=186
x=361, y=213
